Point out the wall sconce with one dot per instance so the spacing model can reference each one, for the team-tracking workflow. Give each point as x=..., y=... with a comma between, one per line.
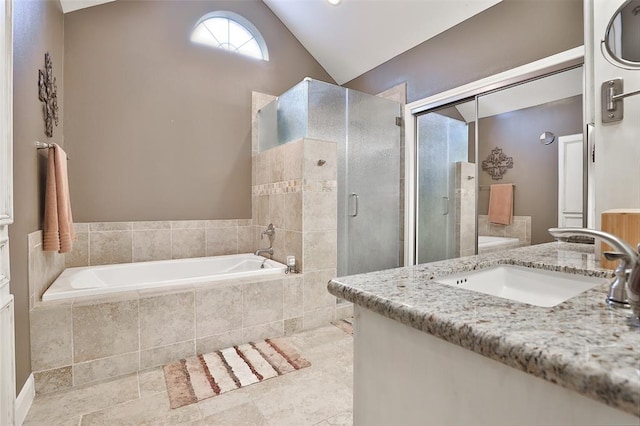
x=612, y=105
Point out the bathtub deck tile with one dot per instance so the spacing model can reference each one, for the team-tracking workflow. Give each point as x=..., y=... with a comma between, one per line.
x=166, y=319
x=104, y=329
x=159, y=356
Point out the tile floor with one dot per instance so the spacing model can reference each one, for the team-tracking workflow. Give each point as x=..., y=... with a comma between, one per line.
x=319, y=395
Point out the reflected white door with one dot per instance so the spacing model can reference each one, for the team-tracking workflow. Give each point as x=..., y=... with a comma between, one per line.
x=570, y=181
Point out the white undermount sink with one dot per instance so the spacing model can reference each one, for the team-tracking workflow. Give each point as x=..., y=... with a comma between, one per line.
x=527, y=285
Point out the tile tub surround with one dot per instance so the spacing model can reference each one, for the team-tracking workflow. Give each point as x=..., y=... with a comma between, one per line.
x=44, y=267
x=520, y=228
x=580, y=344
x=86, y=340
x=102, y=243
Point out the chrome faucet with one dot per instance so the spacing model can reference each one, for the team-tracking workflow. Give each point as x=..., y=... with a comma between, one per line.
x=625, y=288
x=270, y=232
x=267, y=250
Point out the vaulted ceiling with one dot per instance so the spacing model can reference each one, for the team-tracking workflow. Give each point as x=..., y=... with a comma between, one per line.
x=358, y=35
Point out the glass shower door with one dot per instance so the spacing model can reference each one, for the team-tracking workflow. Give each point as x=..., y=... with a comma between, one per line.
x=369, y=198
x=442, y=142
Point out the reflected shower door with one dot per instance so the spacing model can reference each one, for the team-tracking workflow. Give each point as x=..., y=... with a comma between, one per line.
x=442, y=141
x=371, y=195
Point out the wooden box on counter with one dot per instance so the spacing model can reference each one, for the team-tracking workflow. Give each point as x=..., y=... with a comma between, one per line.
x=623, y=223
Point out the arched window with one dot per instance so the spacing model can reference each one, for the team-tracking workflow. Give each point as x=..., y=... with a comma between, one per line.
x=230, y=31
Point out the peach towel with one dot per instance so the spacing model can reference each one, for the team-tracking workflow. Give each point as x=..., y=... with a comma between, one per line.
x=501, y=204
x=58, y=222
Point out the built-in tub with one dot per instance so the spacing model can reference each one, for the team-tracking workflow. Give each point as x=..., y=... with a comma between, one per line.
x=488, y=244
x=104, y=279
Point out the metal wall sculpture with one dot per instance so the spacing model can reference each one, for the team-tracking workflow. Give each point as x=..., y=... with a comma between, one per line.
x=497, y=164
x=48, y=94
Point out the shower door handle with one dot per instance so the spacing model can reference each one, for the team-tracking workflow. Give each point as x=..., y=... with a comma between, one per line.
x=355, y=197
x=445, y=203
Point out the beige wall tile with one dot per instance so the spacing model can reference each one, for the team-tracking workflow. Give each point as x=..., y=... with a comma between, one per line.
x=79, y=256
x=293, y=211
x=166, y=319
x=188, y=224
x=227, y=223
x=104, y=330
x=294, y=248
x=110, y=226
x=264, y=331
x=263, y=168
x=44, y=268
x=149, y=225
x=51, y=338
x=245, y=239
x=53, y=380
x=320, y=250
x=219, y=341
x=318, y=317
x=151, y=245
x=159, y=356
x=262, y=302
x=81, y=228
x=315, y=289
x=218, y=310
x=293, y=296
x=188, y=243
x=277, y=164
x=293, y=160
x=320, y=150
x=262, y=210
x=320, y=211
x=105, y=368
x=110, y=247
x=222, y=241
x=277, y=210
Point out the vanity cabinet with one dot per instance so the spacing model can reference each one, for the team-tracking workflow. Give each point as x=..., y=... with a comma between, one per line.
x=403, y=376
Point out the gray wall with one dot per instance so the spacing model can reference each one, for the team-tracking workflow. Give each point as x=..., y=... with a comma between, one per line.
x=535, y=166
x=157, y=127
x=38, y=28
x=507, y=35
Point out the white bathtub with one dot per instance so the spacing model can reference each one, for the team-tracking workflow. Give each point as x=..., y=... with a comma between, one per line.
x=103, y=279
x=488, y=244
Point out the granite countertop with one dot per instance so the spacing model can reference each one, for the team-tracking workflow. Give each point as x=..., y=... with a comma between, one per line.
x=580, y=344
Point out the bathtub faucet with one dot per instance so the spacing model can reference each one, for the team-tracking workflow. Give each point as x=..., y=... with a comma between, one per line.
x=625, y=289
x=267, y=250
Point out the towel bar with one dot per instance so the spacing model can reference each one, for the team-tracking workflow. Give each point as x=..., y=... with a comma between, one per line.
x=488, y=187
x=44, y=145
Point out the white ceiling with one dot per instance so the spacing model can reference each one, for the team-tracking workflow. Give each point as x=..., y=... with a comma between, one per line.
x=358, y=35
x=71, y=5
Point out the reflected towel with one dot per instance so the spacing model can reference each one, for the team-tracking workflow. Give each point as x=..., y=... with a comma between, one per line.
x=58, y=221
x=501, y=204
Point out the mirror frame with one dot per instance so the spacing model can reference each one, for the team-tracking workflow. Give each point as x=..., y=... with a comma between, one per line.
x=610, y=56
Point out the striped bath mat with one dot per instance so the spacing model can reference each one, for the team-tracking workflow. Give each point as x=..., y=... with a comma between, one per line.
x=204, y=376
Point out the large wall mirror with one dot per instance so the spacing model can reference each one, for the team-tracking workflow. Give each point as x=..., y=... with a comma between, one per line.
x=534, y=124
x=621, y=44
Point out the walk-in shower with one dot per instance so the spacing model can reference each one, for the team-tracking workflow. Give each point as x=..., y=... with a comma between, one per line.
x=367, y=135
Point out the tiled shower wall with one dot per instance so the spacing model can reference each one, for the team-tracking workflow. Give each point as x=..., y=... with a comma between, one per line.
x=465, y=209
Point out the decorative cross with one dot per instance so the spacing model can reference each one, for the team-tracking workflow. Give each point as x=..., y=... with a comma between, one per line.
x=497, y=164
x=48, y=94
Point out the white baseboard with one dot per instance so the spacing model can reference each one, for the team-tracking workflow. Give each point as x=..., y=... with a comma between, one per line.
x=24, y=400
